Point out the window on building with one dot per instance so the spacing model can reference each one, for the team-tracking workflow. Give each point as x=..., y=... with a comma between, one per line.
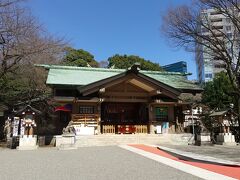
x=229, y=50
x=228, y=28
x=215, y=13
x=204, y=18
x=216, y=20
x=161, y=113
x=86, y=110
x=208, y=75
x=204, y=14
x=221, y=66
x=204, y=30
x=216, y=58
x=229, y=35
x=217, y=27
x=228, y=20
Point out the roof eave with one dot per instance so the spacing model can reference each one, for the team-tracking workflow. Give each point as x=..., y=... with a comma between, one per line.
x=189, y=90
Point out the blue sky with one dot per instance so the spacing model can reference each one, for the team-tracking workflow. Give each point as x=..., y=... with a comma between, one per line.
x=108, y=27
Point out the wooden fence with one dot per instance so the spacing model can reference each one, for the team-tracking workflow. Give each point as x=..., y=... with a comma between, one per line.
x=108, y=129
x=86, y=119
x=141, y=129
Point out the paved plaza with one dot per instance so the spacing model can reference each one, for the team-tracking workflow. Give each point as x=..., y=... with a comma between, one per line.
x=116, y=162
x=86, y=163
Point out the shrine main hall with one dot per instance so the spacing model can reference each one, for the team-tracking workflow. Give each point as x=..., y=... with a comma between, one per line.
x=119, y=101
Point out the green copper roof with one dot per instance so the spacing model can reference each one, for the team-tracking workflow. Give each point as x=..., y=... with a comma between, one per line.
x=77, y=76
x=176, y=81
x=68, y=75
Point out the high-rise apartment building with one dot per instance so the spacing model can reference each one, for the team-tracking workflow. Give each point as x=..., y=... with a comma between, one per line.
x=207, y=64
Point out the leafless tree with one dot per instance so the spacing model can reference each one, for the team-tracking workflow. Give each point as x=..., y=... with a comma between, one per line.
x=189, y=26
x=23, y=43
x=5, y=3
x=23, y=39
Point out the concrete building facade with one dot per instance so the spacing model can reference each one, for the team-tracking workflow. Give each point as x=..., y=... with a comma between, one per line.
x=208, y=65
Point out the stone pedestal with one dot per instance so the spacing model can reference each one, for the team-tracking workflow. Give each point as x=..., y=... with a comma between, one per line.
x=27, y=143
x=58, y=141
x=81, y=130
x=226, y=138
x=12, y=142
x=66, y=141
x=203, y=139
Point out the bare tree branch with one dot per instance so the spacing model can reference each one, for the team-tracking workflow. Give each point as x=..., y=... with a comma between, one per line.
x=22, y=39
x=192, y=28
x=184, y=26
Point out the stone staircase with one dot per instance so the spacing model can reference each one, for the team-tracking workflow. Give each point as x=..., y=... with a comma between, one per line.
x=115, y=139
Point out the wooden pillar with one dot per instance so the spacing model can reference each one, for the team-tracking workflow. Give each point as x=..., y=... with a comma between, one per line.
x=151, y=117
x=75, y=107
x=222, y=128
x=99, y=118
x=99, y=124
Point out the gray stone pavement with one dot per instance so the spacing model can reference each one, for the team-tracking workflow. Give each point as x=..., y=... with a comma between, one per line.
x=87, y=163
x=229, y=153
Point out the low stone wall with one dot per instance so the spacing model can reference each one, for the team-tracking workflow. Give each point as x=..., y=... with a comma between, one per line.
x=64, y=142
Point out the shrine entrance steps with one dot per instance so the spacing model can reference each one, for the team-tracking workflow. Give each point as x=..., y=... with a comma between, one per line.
x=121, y=139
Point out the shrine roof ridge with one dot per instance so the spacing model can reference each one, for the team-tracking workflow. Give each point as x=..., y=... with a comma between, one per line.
x=49, y=66
x=81, y=76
